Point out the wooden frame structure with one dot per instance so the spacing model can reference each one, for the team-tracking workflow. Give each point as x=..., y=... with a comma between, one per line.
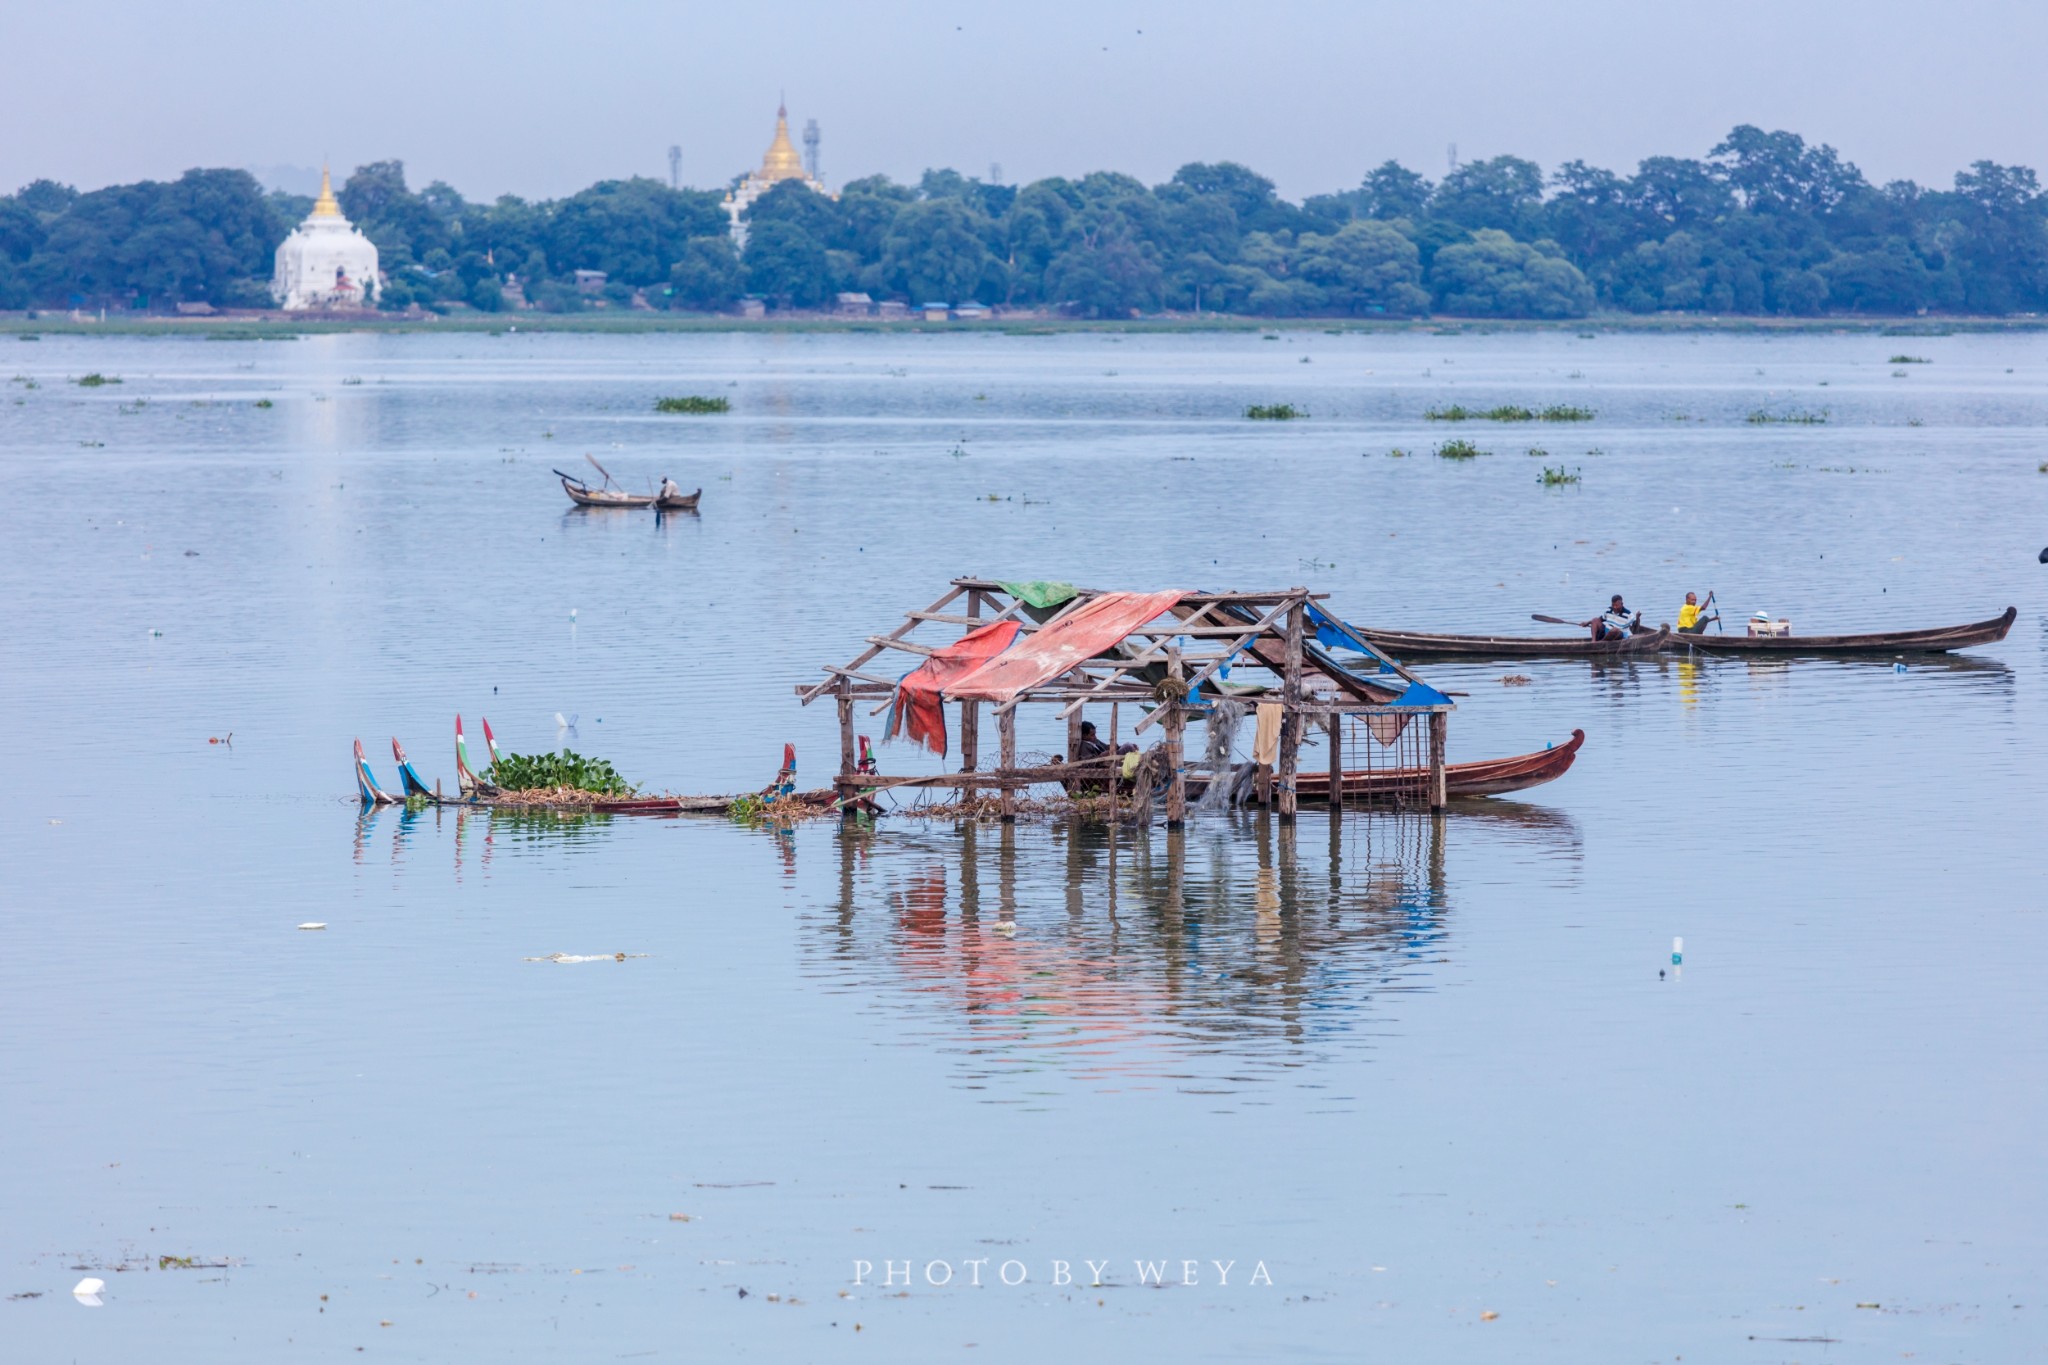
x=1156, y=668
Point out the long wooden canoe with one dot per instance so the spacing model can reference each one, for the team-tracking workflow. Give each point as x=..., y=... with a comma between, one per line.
x=1407, y=644
x=1484, y=777
x=1936, y=641
x=585, y=496
x=678, y=502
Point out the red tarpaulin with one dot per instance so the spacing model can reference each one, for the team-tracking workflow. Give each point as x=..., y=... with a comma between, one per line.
x=916, y=711
x=1072, y=638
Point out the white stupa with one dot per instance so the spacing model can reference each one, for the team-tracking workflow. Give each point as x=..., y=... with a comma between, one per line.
x=325, y=262
x=781, y=163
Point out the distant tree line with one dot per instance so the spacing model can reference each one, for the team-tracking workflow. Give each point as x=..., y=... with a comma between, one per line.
x=1764, y=224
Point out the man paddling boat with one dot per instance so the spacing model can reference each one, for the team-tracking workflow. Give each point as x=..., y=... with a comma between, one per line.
x=1691, y=620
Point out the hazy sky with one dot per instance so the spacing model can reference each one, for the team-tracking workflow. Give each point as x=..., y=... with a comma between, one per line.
x=541, y=99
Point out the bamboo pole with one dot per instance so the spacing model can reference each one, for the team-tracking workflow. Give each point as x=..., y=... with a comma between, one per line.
x=1291, y=719
x=1176, y=759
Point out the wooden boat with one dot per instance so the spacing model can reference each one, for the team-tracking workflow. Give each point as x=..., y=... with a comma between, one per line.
x=583, y=495
x=1936, y=641
x=678, y=502
x=1485, y=777
x=1404, y=644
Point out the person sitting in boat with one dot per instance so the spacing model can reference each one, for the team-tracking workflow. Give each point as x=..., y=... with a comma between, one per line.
x=669, y=488
x=1691, y=621
x=1091, y=745
x=1616, y=622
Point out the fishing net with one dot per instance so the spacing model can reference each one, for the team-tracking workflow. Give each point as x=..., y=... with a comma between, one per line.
x=1228, y=781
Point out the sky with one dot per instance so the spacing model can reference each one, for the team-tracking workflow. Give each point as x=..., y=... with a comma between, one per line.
x=540, y=99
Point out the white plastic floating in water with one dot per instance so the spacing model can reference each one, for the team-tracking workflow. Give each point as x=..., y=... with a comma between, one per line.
x=314, y=924
x=593, y=957
x=1677, y=951
x=1898, y=668
x=560, y=722
x=87, y=1291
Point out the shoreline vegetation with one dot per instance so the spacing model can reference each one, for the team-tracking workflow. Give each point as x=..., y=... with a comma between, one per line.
x=1764, y=225
x=270, y=326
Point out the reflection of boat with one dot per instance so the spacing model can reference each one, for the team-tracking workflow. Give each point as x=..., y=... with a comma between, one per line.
x=1485, y=777
x=583, y=495
x=1940, y=639
x=1411, y=644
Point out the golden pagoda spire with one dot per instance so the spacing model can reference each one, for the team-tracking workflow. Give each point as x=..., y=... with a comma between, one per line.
x=325, y=206
x=782, y=161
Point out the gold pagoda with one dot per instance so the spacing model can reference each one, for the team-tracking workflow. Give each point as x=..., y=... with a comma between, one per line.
x=782, y=162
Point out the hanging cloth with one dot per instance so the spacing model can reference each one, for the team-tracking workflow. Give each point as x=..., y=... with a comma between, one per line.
x=1386, y=728
x=1266, y=738
x=917, y=711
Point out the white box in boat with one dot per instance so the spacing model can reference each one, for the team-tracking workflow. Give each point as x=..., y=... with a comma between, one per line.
x=1770, y=628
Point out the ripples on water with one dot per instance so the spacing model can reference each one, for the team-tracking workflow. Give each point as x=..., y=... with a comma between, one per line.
x=1423, y=1068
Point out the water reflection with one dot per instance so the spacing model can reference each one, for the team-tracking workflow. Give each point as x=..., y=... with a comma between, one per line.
x=1228, y=953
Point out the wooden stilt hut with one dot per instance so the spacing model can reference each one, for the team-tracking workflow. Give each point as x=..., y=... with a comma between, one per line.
x=1159, y=659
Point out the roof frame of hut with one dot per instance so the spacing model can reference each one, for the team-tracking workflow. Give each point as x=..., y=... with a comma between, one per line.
x=1197, y=639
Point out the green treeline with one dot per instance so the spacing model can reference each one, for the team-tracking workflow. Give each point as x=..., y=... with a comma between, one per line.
x=1764, y=224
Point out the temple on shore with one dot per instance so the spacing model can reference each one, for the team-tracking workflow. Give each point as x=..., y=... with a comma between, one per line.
x=781, y=163
x=326, y=262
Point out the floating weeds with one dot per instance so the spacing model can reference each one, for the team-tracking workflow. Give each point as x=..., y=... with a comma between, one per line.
x=1909, y=360
x=1565, y=412
x=1274, y=412
x=1595, y=453
x=1760, y=416
x=353, y=379
x=95, y=379
x=1915, y=422
x=1397, y=454
x=1552, y=477
x=1539, y=452
x=1458, y=448
x=1457, y=412
x=264, y=403
x=530, y=772
x=694, y=403
x=1510, y=412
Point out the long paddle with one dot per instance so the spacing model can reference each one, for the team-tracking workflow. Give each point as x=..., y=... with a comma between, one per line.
x=1557, y=620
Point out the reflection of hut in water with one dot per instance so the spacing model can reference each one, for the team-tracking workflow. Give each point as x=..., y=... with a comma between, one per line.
x=1169, y=657
x=1165, y=947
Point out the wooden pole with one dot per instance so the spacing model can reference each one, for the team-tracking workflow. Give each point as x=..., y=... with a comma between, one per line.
x=1116, y=771
x=849, y=777
x=1290, y=721
x=970, y=715
x=1439, y=728
x=1006, y=728
x=1176, y=765
x=1336, y=761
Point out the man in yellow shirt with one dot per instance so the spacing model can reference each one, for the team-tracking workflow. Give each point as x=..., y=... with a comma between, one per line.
x=1690, y=621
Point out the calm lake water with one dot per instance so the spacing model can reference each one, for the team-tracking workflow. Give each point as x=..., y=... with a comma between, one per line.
x=1436, y=1080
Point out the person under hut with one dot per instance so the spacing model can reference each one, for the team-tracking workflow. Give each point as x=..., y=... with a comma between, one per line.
x=1092, y=745
x=1616, y=623
x=1692, y=617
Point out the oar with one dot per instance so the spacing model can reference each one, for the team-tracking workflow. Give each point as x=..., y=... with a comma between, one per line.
x=599, y=468
x=1719, y=629
x=1557, y=620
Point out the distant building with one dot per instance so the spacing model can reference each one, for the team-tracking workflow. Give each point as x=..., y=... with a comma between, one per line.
x=753, y=308
x=892, y=310
x=781, y=163
x=325, y=262
x=971, y=312
x=590, y=281
x=936, y=312
x=856, y=305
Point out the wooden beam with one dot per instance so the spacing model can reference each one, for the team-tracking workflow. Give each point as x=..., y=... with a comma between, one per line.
x=1176, y=758
x=970, y=712
x=820, y=689
x=849, y=766
x=1336, y=722
x=1291, y=721
x=1007, y=730
x=1250, y=633
x=1439, y=730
